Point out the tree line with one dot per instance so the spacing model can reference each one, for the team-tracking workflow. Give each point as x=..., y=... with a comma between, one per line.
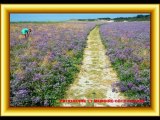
x=118, y=19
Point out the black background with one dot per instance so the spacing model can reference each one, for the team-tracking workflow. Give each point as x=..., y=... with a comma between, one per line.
x=78, y=2
x=82, y=1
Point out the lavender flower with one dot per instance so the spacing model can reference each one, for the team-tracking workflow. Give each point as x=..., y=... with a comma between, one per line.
x=37, y=77
x=46, y=103
x=123, y=88
x=36, y=99
x=130, y=85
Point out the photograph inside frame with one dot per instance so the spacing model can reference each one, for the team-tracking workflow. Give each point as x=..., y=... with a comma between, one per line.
x=80, y=60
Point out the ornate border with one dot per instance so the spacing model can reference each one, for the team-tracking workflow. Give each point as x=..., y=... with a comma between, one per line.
x=6, y=9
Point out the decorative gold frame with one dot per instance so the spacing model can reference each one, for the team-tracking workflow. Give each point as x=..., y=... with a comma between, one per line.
x=6, y=9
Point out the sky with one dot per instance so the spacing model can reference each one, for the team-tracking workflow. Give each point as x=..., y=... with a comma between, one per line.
x=62, y=17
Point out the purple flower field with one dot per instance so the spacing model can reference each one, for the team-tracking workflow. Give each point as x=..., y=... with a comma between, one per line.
x=43, y=65
x=128, y=47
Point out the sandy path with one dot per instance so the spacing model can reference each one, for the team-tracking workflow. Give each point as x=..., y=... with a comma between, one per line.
x=95, y=77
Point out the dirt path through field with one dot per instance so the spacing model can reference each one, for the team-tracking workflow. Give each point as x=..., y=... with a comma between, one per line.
x=95, y=77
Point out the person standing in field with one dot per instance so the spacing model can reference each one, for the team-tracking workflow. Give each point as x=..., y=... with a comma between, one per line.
x=26, y=32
